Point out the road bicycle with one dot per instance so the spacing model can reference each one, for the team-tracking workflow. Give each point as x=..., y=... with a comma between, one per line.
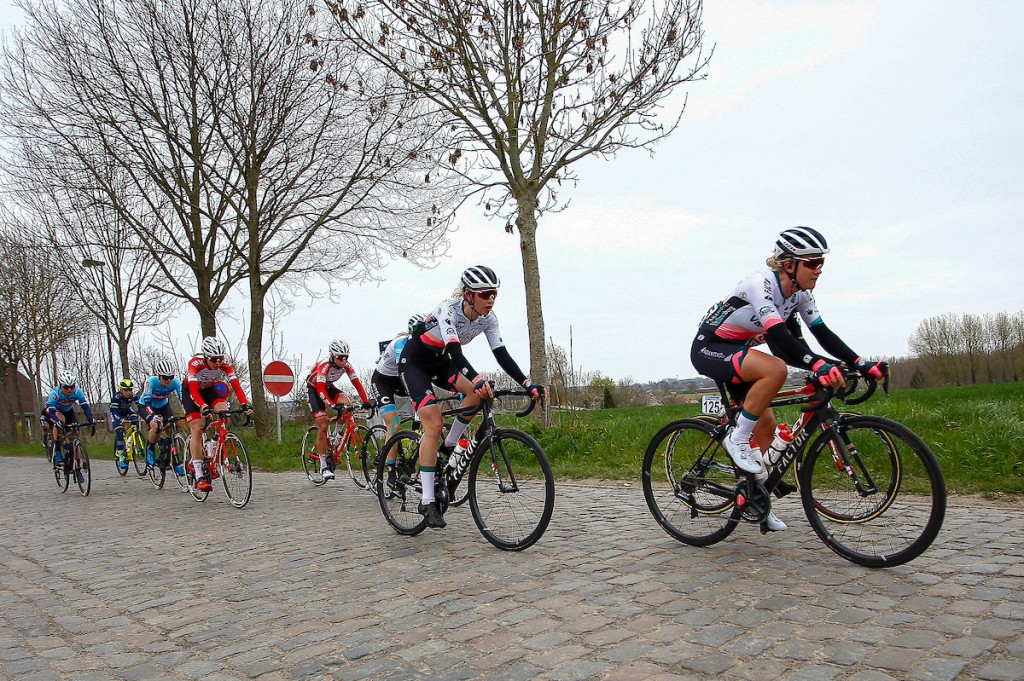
x=47, y=437
x=134, y=447
x=511, y=488
x=356, y=443
x=226, y=458
x=871, y=489
x=171, y=453
x=75, y=466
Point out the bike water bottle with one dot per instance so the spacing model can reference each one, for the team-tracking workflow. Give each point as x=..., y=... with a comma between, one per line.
x=458, y=452
x=211, y=448
x=783, y=438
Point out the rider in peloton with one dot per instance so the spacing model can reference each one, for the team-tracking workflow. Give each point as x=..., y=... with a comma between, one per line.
x=763, y=308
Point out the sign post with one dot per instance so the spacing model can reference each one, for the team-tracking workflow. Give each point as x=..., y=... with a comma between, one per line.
x=279, y=380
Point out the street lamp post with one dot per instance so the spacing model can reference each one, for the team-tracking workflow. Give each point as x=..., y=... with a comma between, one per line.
x=89, y=262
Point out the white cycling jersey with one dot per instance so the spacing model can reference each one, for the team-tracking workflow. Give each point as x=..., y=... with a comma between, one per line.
x=448, y=323
x=756, y=305
x=387, y=365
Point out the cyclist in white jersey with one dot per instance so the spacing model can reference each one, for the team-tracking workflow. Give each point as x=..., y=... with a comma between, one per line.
x=433, y=355
x=763, y=309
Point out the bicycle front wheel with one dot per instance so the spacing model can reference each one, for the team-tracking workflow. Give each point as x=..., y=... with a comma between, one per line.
x=690, y=483
x=190, y=476
x=179, y=454
x=83, y=471
x=354, y=456
x=873, y=491
x=136, y=451
x=400, y=491
x=60, y=472
x=310, y=458
x=158, y=473
x=373, y=451
x=511, y=490
x=236, y=471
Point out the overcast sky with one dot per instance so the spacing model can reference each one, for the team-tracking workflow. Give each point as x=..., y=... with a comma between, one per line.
x=894, y=128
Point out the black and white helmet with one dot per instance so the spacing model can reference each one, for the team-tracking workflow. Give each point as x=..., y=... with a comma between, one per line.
x=212, y=347
x=414, y=320
x=165, y=367
x=66, y=378
x=801, y=242
x=338, y=347
x=479, y=278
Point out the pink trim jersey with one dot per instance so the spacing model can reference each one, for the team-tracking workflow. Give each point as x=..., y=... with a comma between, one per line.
x=449, y=323
x=756, y=305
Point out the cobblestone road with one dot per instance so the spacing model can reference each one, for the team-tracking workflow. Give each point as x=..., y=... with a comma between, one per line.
x=310, y=583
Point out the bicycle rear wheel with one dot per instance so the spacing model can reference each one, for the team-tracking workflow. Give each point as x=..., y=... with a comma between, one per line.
x=120, y=471
x=690, y=483
x=179, y=453
x=400, y=495
x=83, y=471
x=373, y=450
x=873, y=491
x=310, y=458
x=135, y=448
x=354, y=456
x=60, y=472
x=158, y=472
x=235, y=471
x=511, y=490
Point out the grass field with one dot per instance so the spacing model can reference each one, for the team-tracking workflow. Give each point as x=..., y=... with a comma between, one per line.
x=976, y=432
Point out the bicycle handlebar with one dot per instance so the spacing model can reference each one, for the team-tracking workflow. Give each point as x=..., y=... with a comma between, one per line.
x=496, y=394
x=823, y=393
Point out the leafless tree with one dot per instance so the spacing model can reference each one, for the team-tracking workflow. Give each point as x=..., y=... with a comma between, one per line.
x=533, y=87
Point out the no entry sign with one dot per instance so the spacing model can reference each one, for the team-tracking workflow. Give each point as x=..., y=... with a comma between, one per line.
x=278, y=378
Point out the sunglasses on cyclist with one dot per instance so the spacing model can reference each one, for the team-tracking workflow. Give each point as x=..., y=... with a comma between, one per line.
x=68, y=387
x=166, y=378
x=813, y=263
x=489, y=294
x=343, y=358
x=214, y=359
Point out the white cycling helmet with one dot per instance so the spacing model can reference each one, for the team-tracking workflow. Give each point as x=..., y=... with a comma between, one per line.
x=165, y=367
x=66, y=378
x=338, y=347
x=479, y=278
x=212, y=347
x=414, y=320
x=801, y=242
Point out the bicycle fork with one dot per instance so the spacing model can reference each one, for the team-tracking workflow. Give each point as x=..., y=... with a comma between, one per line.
x=848, y=460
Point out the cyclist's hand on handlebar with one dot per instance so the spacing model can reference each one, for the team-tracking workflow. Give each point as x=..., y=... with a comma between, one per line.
x=367, y=405
x=247, y=409
x=482, y=387
x=872, y=370
x=828, y=374
x=92, y=430
x=206, y=411
x=536, y=390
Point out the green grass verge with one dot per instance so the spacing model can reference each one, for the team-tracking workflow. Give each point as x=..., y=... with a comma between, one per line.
x=977, y=433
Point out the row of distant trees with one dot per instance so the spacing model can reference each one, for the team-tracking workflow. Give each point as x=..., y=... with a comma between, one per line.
x=168, y=153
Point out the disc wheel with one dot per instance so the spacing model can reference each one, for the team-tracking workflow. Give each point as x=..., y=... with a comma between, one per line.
x=179, y=454
x=511, y=490
x=400, y=494
x=689, y=483
x=236, y=471
x=135, y=449
x=872, y=491
x=83, y=471
x=310, y=459
x=373, y=451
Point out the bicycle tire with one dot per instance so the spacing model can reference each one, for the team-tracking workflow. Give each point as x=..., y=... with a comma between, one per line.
x=893, y=521
x=689, y=483
x=136, y=451
x=82, y=466
x=373, y=450
x=513, y=498
x=400, y=502
x=120, y=471
x=310, y=459
x=158, y=472
x=60, y=472
x=179, y=450
x=353, y=451
x=48, y=444
x=235, y=470
x=190, y=480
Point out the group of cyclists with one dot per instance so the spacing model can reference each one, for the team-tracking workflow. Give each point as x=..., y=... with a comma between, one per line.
x=762, y=309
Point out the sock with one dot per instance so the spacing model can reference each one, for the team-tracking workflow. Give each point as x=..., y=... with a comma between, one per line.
x=745, y=423
x=455, y=432
x=427, y=478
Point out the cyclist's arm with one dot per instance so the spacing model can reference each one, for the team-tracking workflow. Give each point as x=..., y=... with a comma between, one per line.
x=357, y=384
x=236, y=385
x=509, y=365
x=454, y=350
x=791, y=350
x=833, y=344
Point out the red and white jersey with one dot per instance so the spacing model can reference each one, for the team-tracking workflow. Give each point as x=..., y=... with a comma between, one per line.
x=325, y=373
x=200, y=376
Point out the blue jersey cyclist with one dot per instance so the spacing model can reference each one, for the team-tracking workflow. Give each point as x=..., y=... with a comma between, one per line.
x=155, y=406
x=60, y=409
x=433, y=355
x=763, y=308
x=123, y=405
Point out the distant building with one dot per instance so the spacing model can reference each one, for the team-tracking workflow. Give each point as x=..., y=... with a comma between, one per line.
x=17, y=405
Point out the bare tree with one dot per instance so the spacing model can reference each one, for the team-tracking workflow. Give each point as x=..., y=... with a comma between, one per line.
x=533, y=87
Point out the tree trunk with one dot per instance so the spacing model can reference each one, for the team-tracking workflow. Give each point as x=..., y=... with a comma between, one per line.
x=527, y=224
x=254, y=347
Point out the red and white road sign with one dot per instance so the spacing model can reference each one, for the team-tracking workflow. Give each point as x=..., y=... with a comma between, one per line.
x=278, y=378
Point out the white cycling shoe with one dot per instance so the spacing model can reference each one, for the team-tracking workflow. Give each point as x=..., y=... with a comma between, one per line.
x=745, y=457
x=327, y=474
x=775, y=523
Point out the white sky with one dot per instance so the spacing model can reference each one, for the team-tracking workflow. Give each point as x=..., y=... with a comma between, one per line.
x=896, y=128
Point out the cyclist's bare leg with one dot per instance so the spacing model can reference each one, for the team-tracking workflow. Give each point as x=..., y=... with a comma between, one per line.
x=321, y=434
x=470, y=400
x=768, y=375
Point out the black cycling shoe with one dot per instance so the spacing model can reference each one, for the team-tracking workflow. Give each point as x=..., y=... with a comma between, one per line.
x=433, y=516
x=784, y=488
